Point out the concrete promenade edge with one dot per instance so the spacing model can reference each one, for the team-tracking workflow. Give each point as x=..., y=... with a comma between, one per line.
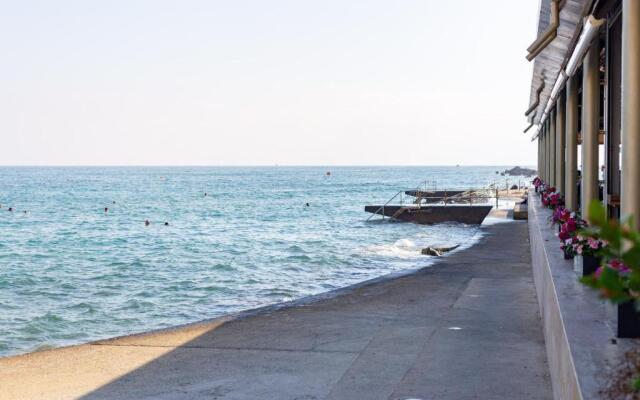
x=467, y=327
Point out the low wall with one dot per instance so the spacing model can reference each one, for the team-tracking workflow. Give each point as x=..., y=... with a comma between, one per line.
x=577, y=329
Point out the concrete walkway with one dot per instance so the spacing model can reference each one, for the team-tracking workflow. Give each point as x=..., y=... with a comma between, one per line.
x=466, y=328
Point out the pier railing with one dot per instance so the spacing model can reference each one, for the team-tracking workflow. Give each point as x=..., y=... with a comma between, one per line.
x=381, y=208
x=439, y=197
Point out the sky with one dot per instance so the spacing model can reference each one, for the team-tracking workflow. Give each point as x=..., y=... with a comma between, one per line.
x=358, y=82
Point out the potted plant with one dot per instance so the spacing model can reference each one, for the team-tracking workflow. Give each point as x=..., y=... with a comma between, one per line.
x=586, y=252
x=568, y=224
x=537, y=183
x=552, y=199
x=618, y=276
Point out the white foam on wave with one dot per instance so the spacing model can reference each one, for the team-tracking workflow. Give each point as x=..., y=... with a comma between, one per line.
x=402, y=248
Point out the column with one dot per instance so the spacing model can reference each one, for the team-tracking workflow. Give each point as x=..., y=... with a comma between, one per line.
x=540, y=154
x=590, y=126
x=548, y=150
x=630, y=190
x=571, y=133
x=543, y=134
x=552, y=147
x=560, y=143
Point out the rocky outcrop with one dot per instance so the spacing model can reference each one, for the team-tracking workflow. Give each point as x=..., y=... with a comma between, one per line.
x=438, y=251
x=517, y=171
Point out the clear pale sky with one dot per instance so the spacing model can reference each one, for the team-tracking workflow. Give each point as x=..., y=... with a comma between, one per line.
x=348, y=82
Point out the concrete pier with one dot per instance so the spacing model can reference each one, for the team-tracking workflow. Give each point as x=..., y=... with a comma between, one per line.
x=466, y=328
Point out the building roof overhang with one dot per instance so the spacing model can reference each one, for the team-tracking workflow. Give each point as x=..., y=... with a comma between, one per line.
x=553, y=59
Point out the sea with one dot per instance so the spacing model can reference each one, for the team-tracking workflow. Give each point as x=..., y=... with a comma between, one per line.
x=79, y=262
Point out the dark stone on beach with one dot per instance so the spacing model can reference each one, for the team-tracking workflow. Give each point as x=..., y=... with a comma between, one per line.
x=428, y=251
x=514, y=187
x=437, y=251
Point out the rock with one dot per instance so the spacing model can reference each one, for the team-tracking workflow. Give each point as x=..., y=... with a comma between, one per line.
x=429, y=251
x=437, y=251
x=517, y=171
x=514, y=187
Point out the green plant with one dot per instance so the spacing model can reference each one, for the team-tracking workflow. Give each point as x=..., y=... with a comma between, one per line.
x=618, y=278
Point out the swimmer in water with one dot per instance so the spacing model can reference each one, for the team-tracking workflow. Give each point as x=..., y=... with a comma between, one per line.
x=106, y=209
x=166, y=224
x=306, y=204
x=205, y=194
x=10, y=208
x=146, y=222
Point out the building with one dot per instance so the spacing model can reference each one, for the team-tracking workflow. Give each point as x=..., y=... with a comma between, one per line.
x=584, y=100
x=585, y=103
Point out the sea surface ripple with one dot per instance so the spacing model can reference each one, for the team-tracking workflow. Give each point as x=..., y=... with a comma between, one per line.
x=71, y=272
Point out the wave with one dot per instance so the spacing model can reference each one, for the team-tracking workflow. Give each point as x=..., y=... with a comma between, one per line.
x=402, y=248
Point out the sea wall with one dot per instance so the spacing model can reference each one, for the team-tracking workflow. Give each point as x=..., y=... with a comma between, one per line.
x=578, y=330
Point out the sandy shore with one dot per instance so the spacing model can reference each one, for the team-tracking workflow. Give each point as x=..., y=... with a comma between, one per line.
x=467, y=327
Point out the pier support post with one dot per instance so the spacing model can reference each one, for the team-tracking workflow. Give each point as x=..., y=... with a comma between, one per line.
x=571, y=143
x=630, y=190
x=560, y=144
x=590, y=127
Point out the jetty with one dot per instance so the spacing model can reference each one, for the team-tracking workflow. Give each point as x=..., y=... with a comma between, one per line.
x=421, y=214
x=467, y=327
x=437, y=206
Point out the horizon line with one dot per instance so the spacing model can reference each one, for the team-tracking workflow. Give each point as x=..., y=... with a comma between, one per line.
x=251, y=165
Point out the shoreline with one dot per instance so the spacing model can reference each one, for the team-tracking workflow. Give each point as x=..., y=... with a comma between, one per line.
x=495, y=218
x=402, y=334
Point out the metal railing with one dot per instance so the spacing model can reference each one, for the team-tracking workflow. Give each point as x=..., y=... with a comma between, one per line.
x=470, y=196
x=381, y=208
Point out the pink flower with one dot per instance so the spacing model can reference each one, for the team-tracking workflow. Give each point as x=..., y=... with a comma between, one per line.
x=598, y=272
x=593, y=243
x=563, y=235
x=619, y=266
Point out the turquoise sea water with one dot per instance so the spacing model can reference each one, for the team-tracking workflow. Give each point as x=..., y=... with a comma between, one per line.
x=71, y=273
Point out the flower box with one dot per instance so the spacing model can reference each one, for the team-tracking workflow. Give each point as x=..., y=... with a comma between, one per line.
x=568, y=255
x=585, y=265
x=628, y=321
